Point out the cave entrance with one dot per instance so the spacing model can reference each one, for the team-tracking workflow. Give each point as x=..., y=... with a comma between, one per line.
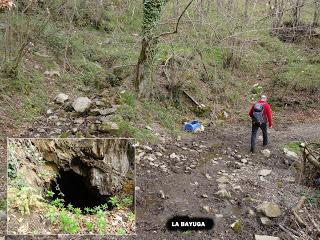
x=74, y=189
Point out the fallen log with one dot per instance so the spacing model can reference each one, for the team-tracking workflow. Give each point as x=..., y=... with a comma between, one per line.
x=307, y=154
x=295, y=211
x=191, y=98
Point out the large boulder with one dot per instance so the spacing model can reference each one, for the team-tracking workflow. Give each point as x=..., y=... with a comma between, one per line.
x=81, y=104
x=269, y=209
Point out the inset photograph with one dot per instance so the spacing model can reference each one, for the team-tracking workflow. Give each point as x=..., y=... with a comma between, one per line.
x=71, y=186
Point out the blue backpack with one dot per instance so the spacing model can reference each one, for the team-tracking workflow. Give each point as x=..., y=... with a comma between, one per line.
x=258, y=113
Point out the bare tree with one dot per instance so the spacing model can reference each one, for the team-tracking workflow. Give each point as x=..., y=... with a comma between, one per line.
x=296, y=12
x=277, y=8
x=152, y=10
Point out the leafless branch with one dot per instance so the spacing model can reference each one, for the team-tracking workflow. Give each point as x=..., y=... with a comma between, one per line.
x=177, y=25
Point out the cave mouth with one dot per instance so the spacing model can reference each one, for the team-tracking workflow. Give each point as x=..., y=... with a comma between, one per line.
x=74, y=189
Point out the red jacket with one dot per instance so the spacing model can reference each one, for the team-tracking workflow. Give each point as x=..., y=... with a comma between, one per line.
x=267, y=112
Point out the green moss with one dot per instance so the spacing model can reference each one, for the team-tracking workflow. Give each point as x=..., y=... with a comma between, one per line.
x=294, y=146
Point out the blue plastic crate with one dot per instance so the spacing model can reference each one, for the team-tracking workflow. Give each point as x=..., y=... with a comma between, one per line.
x=192, y=126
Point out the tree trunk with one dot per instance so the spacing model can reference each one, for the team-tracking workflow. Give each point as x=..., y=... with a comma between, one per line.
x=277, y=12
x=296, y=13
x=144, y=82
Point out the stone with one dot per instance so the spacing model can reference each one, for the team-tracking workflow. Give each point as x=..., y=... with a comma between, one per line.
x=223, y=193
x=223, y=179
x=265, y=237
x=264, y=172
x=237, y=226
x=107, y=111
x=289, y=179
x=52, y=73
x=204, y=195
x=99, y=103
x=61, y=98
x=95, y=111
x=251, y=213
x=290, y=154
x=173, y=155
x=150, y=158
x=104, y=119
x=243, y=160
x=265, y=221
x=162, y=194
x=79, y=121
x=269, y=209
x=137, y=188
x=49, y=111
x=158, y=154
x=206, y=208
x=208, y=176
x=147, y=148
x=81, y=104
x=262, y=179
x=238, y=187
x=266, y=153
x=225, y=114
x=222, y=186
x=108, y=127
x=53, y=118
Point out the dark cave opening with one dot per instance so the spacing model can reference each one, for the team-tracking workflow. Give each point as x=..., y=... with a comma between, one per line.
x=75, y=190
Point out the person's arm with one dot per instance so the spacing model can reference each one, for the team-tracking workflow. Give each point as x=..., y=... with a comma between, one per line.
x=269, y=114
x=251, y=111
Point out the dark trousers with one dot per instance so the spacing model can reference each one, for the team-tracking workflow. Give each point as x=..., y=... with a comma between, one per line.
x=255, y=128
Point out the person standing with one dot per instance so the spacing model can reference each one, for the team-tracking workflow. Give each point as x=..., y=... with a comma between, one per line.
x=261, y=115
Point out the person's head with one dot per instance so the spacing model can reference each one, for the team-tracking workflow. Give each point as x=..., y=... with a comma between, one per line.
x=263, y=97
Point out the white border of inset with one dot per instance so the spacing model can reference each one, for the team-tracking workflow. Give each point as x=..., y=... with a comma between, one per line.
x=63, y=234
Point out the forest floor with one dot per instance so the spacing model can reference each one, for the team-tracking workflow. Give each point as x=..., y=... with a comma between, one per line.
x=181, y=177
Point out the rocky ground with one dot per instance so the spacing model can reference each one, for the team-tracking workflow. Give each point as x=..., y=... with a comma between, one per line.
x=212, y=174
x=206, y=174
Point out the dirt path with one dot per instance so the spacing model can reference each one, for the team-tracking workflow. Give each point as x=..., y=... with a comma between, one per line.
x=211, y=152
